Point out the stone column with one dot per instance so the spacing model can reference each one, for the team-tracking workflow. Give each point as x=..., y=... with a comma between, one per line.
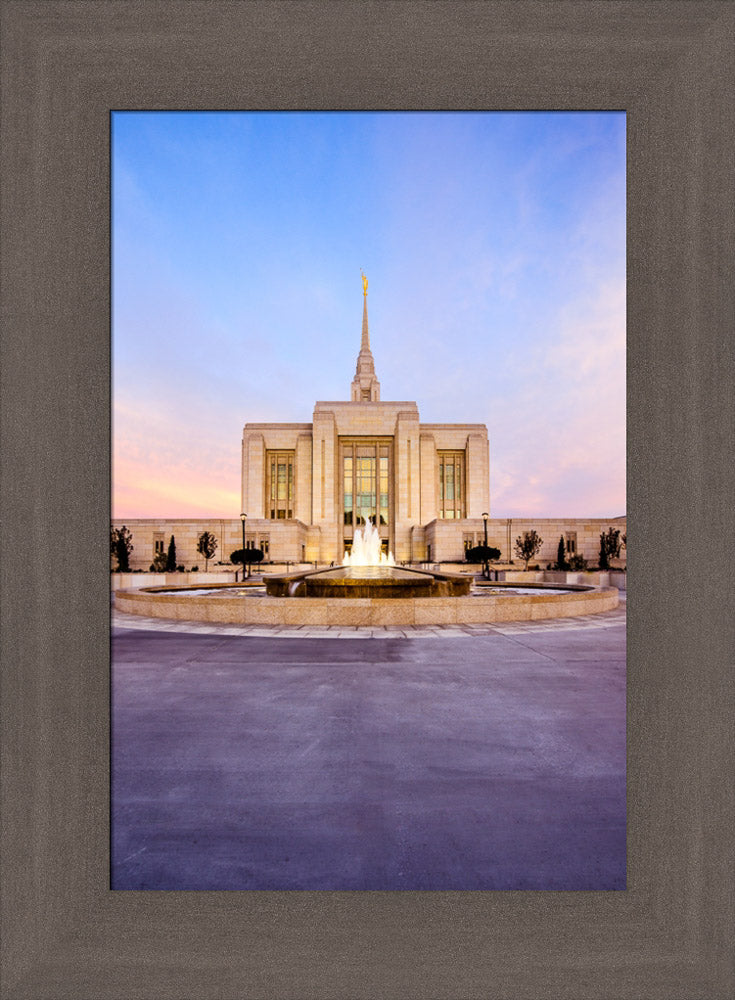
x=407, y=481
x=253, y=467
x=477, y=475
x=325, y=484
x=302, y=475
x=428, y=478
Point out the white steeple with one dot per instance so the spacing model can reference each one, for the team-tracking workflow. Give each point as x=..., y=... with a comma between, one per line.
x=365, y=385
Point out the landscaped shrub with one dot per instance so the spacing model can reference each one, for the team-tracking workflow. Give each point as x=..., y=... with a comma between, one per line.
x=561, y=562
x=527, y=545
x=609, y=547
x=246, y=557
x=121, y=546
x=160, y=563
x=171, y=557
x=206, y=546
x=481, y=554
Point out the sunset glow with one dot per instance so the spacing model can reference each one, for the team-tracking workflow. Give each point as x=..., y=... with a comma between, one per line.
x=495, y=248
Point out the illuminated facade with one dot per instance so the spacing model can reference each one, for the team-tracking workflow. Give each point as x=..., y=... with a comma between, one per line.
x=306, y=487
x=359, y=460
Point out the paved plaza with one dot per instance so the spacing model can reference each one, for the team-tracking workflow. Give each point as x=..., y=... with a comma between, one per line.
x=443, y=757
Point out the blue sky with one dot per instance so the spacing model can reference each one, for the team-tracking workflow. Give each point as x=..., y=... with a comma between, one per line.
x=494, y=244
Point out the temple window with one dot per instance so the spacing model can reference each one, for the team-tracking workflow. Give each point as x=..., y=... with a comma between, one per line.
x=366, y=487
x=451, y=484
x=279, y=485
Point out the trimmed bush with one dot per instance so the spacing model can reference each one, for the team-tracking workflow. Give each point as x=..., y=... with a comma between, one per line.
x=121, y=546
x=561, y=561
x=481, y=554
x=171, y=557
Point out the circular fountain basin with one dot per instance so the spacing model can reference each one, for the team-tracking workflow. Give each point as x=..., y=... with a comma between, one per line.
x=381, y=582
x=255, y=608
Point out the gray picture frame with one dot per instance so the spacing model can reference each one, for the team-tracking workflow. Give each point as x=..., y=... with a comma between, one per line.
x=66, y=65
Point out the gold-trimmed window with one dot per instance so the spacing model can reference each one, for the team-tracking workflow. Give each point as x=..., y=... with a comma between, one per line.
x=279, y=485
x=451, y=484
x=365, y=483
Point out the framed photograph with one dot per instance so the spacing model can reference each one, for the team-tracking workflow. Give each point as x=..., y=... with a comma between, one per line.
x=65, y=931
x=447, y=572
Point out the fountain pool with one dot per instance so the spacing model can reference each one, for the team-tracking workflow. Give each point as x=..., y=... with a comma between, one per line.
x=361, y=592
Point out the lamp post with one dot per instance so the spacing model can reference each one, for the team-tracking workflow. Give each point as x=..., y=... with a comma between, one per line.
x=242, y=518
x=485, y=570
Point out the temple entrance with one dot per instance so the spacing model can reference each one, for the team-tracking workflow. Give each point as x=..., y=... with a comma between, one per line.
x=366, y=488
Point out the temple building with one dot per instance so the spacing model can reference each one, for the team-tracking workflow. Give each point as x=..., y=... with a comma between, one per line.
x=307, y=487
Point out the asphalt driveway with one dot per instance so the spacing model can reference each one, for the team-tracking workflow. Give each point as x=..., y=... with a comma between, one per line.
x=493, y=761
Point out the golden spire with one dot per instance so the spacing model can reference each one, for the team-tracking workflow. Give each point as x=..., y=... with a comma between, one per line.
x=365, y=386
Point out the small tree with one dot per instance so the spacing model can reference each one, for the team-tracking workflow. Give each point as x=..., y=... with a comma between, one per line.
x=482, y=553
x=609, y=547
x=527, y=545
x=561, y=560
x=246, y=557
x=171, y=557
x=207, y=546
x=121, y=545
x=160, y=562
x=253, y=556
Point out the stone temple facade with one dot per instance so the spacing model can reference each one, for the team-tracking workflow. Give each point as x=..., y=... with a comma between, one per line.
x=312, y=485
x=307, y=487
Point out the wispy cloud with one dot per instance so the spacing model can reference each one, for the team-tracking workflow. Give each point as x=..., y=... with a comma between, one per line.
x=494, y=245
x=559, y=442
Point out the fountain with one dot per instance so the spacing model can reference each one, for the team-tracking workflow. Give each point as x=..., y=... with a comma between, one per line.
x=367, y=549
x=367, y=571
x=366, y=577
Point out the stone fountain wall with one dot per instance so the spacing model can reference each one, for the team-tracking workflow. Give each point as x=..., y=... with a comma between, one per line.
x=366, y=611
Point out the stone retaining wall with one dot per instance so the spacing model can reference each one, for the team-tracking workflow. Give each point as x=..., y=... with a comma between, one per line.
x=366, y=611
